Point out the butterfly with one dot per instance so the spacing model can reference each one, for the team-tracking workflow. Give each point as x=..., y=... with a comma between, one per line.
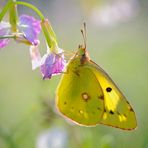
x=87, y=95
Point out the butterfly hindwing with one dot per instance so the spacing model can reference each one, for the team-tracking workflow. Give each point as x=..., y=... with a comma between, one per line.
x=117, y=112
x=79, y=95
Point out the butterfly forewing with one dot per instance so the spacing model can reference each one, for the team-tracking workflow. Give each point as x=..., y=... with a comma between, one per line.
x=117, y=110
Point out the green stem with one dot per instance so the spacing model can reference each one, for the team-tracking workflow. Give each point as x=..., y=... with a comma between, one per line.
x=49, y=34
x=7, y=37
x=32, y=7
x=5, y=9
x=13, y=17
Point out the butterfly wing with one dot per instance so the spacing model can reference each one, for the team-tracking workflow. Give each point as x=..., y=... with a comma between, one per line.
x=88, y=96
x=117, y=110
x=79, y=95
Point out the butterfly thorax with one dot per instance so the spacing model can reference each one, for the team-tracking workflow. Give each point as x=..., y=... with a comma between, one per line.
x=82, y=55
x=80, y=59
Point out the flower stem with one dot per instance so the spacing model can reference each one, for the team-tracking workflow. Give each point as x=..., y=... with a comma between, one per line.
x=7, y=37
x=33, y=8
x=5, y=9
x=49, y=33
x=13, y=17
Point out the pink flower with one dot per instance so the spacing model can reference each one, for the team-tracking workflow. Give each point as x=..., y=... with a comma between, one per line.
x=4, y=31
x=28, y=27
x=52, y=64
x=35, y=56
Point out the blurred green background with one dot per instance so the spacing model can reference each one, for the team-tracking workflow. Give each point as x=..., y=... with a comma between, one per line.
x=117, y=40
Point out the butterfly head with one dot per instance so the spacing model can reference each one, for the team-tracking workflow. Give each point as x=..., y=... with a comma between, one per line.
x=83, y=54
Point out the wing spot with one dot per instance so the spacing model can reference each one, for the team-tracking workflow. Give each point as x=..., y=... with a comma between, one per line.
x=85, y=96
x=98, y=108
x=81, y=111
x=101, y=97
x=104, y=116
x=122, y=118
x=131, y=109
x=125, y=115
x=77, y=72
x=108, y=89
x=111, y=112
x=65, y=103
x=127, y=102
x=72, y=109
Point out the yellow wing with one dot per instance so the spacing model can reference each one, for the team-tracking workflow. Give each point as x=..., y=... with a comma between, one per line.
x=79, y=95
x=117, y=112
x=88, y=96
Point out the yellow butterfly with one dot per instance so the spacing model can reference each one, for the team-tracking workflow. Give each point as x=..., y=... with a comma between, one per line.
x=88, y=96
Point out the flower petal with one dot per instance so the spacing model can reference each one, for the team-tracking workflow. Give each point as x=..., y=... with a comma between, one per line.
x=30, y=27
x=46, y=67
x=35, y=56
x=52, y=64
x=58, y=65
x=4, y=31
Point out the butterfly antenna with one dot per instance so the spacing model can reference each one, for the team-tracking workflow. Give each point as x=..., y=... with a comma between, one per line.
x=83, y=31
